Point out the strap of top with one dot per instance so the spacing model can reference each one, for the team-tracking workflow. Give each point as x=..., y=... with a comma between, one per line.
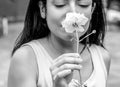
x=44, y=62
x=102, y=60
x=100, y=76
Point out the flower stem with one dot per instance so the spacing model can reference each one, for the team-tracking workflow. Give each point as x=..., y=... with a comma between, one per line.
x=77, y=42
x=77, y=50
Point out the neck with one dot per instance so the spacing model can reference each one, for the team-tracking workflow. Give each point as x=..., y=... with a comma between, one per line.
x=62, y=46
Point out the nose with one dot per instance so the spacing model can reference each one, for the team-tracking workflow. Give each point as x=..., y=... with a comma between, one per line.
x=72, y=5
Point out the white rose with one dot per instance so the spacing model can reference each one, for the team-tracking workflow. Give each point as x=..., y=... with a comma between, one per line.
x=74, y=22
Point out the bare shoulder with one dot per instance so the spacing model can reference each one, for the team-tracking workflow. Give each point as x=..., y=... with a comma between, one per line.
x=22, y=69
x=24, y=55
x=106, y=57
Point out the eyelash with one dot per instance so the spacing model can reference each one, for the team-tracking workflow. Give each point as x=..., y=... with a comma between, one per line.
x=60, y=6
x=84, y=6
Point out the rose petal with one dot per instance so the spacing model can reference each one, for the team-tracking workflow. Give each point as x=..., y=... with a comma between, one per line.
x=80, y=29
x=69, y=28
x=74, y=18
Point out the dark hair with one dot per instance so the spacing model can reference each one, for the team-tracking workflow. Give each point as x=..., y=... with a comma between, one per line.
x=35, y=27
x=98, y=23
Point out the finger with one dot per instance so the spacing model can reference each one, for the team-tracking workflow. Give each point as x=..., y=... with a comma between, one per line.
x=66, y=67
x=68, y=55
x=70, y=66
x=62, y=74
x=69, y=60
x=74, y=58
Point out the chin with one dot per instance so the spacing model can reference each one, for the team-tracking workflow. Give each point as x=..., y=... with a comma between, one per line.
x=67, y=36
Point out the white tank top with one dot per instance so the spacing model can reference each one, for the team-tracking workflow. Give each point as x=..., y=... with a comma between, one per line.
x=97, y=79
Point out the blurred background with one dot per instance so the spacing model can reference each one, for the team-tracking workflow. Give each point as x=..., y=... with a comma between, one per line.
x=12, y=14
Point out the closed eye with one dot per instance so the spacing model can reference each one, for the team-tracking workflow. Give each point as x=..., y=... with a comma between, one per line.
x=60, y=6
x=84, y=6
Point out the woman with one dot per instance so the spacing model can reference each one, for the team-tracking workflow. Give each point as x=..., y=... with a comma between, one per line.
x=44, y=54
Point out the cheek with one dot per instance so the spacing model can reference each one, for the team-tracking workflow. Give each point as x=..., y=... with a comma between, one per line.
x=53, y=18
x=88, y=14
x=86, y=27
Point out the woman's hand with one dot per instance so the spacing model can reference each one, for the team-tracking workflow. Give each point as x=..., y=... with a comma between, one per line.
x=62, y=68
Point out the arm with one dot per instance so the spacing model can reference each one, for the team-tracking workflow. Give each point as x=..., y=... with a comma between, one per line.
x=23, y=71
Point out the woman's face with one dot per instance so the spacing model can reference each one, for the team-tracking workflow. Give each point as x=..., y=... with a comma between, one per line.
x=56, y=13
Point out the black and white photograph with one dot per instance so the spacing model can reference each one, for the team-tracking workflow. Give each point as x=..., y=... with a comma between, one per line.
x=59, y=43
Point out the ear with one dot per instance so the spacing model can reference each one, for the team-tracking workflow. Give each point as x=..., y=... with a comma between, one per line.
x=93, y=8
x=42, y=9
